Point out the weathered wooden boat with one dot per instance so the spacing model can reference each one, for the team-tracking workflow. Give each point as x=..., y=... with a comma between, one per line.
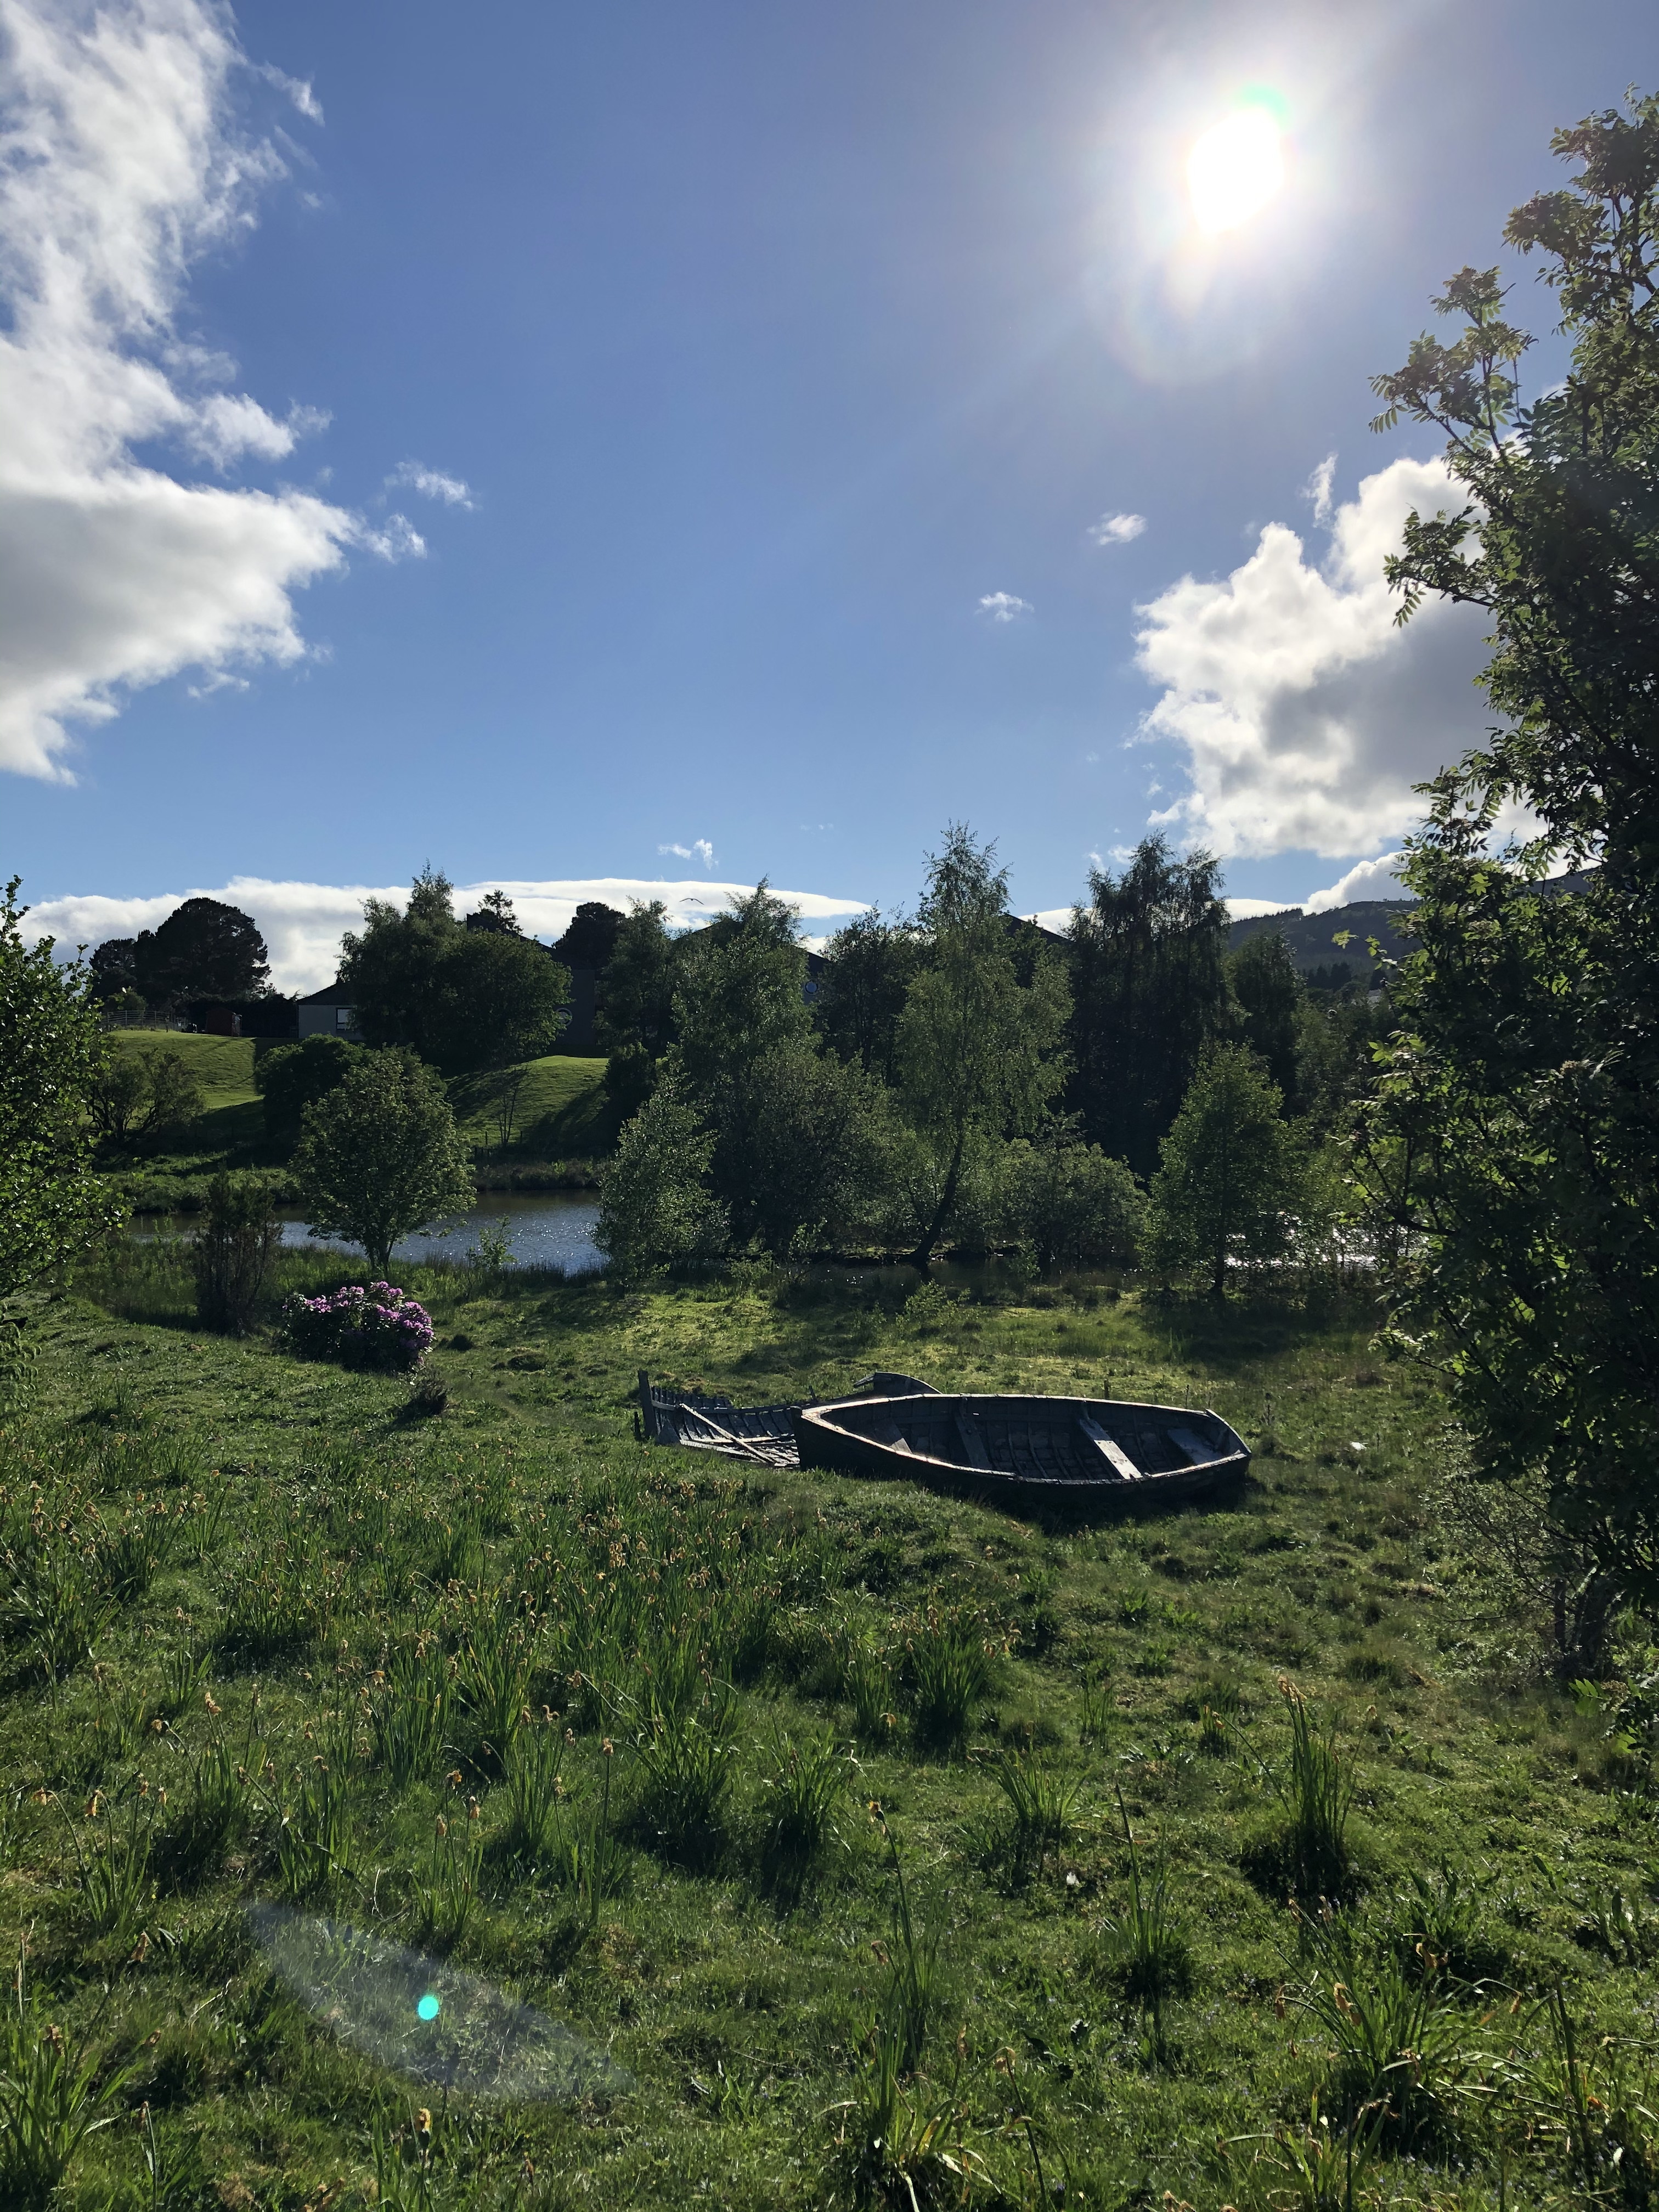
x=762, y=1434
x=1066, y=1454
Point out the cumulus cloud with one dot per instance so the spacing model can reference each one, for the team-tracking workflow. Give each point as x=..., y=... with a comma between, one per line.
x=1304, y=715
x=1371, y=879
x=1003, y=607
x=431, y=484
x=1117, y=529
x=119, y=164
x=698, y=849
x=302, y=923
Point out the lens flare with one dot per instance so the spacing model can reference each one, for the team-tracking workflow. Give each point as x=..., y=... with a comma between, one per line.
x=1235, y=169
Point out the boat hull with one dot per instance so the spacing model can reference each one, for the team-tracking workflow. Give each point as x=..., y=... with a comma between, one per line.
x=1065, y=1455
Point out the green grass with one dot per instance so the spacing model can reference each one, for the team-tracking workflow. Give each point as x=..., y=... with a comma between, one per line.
x=562, y=1112
x=222, y=1065
x=325, y=1572
x=563, y=1116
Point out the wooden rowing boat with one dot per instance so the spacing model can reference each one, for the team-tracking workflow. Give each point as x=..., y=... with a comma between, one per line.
x=1070, y=1454
x=762, y=1434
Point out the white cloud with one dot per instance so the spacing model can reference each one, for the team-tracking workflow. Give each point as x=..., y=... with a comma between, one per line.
x=1245, y=909
x=1371, y=879
x=303, y=923
x=1117, y=529
x=1318, y=488
x=698, y=849
x=1305, y=715
x=297, y=88
x=119, y=164
x=431, y=484
x=397, y=540
x=1004, y=607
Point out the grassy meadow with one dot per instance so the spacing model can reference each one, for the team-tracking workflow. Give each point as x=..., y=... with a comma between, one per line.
x=877, y=1847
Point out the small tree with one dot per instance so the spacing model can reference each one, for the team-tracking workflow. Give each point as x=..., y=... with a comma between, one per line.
x=1070, y=1203
x=655, y=1207
x=977, y=1050
x=1230, y=1177
x=231, y=1252
x=380, y=1155
x=52, y=1203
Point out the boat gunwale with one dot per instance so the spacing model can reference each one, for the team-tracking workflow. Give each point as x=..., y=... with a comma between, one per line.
x=908, y=1464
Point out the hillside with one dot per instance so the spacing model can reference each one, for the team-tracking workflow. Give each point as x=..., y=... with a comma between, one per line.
x=1311, y=937
x=561, y=1112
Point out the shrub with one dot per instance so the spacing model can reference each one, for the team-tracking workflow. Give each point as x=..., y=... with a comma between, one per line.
x=380, y=1155
x=655, y=1209
x=377, y=1327
x=231, y=1254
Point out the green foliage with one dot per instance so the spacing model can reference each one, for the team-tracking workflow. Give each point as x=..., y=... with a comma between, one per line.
x=803, y=1785
x=53, y=1206
x=291, y=1076
x=636, y=990
x=1230, y=1176
x=231, y=1254
x=1041, y=1798
x=1271, y=1001
x=739, y=997
x=1149, y=991
x=978, y=1051
x=949, y=1672
x=54, y=2093
x=800, y=1146
x=380, y=1155
x=463, y=998
x=1316, y=1785
x=205, y=949
x=1070, y=1204
x=1145, y=1948
x=870, y=965
x=685, y=1765
x=1399, y=2042
x=1508, y=1152
x=655, y=1209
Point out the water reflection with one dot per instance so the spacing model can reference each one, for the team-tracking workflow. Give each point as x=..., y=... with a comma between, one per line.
x=544, y=1229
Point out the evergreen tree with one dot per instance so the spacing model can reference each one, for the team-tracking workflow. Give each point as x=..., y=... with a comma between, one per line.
x=1149, y=990
x=1228, y=1178
x=1271, y=1002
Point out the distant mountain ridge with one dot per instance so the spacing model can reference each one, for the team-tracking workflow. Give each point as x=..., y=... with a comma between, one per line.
x=1310, y=936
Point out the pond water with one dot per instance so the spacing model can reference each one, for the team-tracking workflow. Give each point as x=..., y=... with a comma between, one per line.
x=544, y=1229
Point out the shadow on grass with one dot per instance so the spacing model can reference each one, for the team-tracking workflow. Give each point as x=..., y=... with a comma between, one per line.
x=1239, y=1330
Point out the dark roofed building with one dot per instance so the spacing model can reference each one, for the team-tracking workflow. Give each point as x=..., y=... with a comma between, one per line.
x=329, y=1013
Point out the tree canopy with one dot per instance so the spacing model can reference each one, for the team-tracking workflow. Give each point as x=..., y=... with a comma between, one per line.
x=1149, y=986
x=379, y=1155
x=52, y=1206
x=464, y=998
x=1511, y=1148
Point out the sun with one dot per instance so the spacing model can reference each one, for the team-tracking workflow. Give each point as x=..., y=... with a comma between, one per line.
x=1235, y=168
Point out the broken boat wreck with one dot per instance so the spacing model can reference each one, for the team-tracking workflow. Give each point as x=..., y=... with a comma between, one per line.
x=1021, y=1450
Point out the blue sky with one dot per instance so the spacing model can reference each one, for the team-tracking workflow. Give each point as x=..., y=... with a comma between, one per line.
x=780, y=351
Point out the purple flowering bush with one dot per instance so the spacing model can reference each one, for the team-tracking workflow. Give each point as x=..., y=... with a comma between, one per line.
x=378, y=1326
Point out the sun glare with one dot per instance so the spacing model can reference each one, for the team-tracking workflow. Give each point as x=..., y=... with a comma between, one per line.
x=1235, y=169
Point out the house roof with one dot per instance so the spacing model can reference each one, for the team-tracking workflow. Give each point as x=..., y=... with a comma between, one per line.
x=332, y=995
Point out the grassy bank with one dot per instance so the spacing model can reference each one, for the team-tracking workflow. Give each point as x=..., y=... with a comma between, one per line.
x=285, y=1575
x=561, y=1124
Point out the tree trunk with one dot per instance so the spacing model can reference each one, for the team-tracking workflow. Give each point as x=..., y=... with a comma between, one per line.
x=923, y=1254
